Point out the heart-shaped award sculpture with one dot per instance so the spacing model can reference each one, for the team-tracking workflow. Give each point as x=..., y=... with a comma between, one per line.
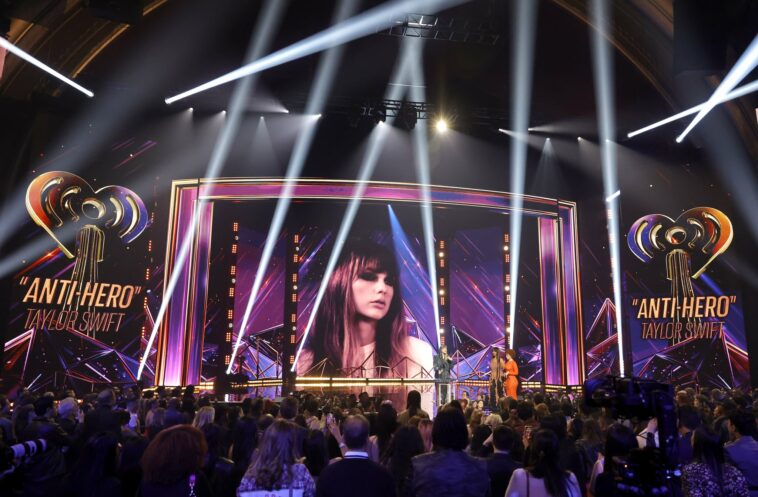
x=68, y=208
x=690, y=243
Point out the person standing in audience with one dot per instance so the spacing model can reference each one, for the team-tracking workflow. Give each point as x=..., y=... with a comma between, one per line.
x=501, y=465
x=449, y=471
x=743, y=450
x=355, y=474
x=405, y=445
x=708, y=475
x=689, y=420
x=543, y=477
x=103, y=417
x=412, y=408
x=173, y=462
x=425, y=428
x=95, y=473
x=275, y=465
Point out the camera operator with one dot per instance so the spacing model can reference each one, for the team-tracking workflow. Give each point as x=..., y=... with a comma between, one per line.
x=619, y=442
x=43, y=473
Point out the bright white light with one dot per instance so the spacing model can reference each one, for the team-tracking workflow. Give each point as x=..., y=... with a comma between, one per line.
x=603, y=75
x=376, y=139
x=746, y=63
x=318, y=116
x=502, y=131
x=441, y=126
x=325, y=73
x=578, y=138
x=421, y=154
x=191, y=109
x=20, y=53
x=265, y=26
x=363, y=24
x=522, y=56
x=736, y=93
x=610, y=198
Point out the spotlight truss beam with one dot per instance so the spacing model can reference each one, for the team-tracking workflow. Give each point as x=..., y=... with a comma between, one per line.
x=327, y=70
x=446, y=28
x=746, y=63
x=351, y=29
x=10, y=47
x=736, y=93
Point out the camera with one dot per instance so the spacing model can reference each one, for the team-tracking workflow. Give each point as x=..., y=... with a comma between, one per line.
x=649, y=471
x=14, y=455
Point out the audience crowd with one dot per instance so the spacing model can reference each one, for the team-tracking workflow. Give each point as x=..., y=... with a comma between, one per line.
x=165, y=443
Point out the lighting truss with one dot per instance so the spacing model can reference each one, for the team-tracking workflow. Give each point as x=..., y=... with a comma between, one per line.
x=456, y=29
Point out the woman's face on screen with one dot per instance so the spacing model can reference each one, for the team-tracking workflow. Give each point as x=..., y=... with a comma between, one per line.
x=372, y=294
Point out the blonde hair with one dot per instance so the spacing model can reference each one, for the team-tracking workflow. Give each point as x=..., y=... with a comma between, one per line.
x=204, y=416
x=493, y=420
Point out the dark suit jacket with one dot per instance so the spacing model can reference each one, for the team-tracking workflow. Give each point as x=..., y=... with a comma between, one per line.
x=743, y=453
x=500, y=467
x=351, y=477
x=101, y=418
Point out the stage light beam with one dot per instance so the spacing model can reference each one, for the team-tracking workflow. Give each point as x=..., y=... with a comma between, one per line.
x=363, y=24
x=421, y=154
x=325, y=74
x=370, y=158
x=603, y=76
x=745, y=64
x=267, y=22
x=25, y=56
x=736, y=93
x=522, y=57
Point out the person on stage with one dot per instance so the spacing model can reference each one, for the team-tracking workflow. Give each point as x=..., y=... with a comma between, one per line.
x=511, y=374
x=442, y=366
x=497, y=370
x=360, y=327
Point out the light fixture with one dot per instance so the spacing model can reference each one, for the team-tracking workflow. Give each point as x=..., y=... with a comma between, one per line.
x=441, y=126
x=20, y=53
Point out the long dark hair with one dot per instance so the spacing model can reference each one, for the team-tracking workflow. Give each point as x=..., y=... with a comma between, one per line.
x=413, y=403
x=276, y=452
x=98, y=461
x=386, y=424
x=337, y=314
x=619, y=442
x=405, y=445
x=708, y=449
x=316, y=452
x=544, y=463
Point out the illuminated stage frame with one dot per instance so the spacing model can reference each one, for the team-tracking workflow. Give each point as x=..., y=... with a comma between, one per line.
x=178, y=357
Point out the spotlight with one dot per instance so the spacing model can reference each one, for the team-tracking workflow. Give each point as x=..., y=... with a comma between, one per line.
x=378, y=113
x=441, y=126
x=191, y=109
x=20, y=53
x=530, y=129
x=610, y=198
x=737, y=93
x=579, y=138
x=318, y=116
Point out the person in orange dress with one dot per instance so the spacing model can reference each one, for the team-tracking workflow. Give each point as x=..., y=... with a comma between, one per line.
x=511, y=374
